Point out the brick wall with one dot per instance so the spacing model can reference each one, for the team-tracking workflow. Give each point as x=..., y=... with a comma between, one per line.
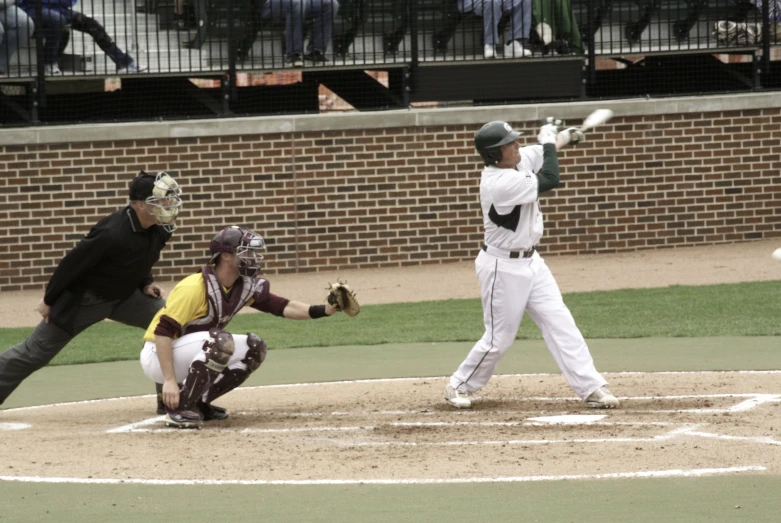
x=399, y=196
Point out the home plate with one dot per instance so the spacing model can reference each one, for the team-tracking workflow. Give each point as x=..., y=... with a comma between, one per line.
x=570, y=419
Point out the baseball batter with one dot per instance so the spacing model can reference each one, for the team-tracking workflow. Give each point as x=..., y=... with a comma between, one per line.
x=513, y=276
x=185, y=346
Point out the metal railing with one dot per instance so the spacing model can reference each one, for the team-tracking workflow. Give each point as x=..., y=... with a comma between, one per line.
x=101, y=38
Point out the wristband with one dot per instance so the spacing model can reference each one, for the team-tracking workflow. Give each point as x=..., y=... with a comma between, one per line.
x=316, y=311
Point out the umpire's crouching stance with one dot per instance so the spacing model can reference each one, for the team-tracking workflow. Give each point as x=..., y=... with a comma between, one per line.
x=108, y=274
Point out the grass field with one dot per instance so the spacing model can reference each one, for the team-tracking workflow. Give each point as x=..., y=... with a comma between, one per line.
x=745, y=309
x=677, y=328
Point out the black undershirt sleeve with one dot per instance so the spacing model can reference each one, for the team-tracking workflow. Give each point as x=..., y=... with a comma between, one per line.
x=548, y=177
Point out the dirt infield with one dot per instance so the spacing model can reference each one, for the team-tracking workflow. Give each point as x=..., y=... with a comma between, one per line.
x=402, y=430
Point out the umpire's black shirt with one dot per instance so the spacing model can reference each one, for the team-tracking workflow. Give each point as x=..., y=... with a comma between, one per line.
x=112, y=261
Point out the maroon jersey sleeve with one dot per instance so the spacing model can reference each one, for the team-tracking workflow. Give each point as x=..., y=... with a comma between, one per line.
x=167, y=327
x=264, y=301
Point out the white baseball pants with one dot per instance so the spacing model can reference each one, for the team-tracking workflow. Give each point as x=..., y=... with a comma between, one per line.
x=186, y=349
x=508, y=287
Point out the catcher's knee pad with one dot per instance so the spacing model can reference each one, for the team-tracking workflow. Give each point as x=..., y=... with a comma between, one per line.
x=218, y=349
x=256, y=353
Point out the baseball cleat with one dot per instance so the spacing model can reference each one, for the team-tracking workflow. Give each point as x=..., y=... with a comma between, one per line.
x=211, y=412
x=458, y=398
x=602, y=399
x=184, y=419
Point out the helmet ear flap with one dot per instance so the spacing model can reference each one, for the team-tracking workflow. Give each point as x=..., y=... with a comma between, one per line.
x=492, y=155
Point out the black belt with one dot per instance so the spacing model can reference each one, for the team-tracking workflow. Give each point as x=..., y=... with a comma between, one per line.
x=516, y=254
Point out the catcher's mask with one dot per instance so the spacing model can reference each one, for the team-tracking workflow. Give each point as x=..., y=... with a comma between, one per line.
x=490, y=139
x=162, y=193
x=244, y=243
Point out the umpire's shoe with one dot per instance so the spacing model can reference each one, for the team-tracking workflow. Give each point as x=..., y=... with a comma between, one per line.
x=184, y=419
x=602, y=399
x=211, y=412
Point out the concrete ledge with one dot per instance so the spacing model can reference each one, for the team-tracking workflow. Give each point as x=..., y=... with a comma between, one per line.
x=378, y=119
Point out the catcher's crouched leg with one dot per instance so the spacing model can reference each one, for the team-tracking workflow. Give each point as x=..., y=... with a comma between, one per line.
x=204, y=369
x=233, y=376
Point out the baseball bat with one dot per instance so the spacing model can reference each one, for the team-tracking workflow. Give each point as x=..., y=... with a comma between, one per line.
x=596, y=118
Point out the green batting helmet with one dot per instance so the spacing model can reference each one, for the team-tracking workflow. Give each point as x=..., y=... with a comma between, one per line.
x=491, y=137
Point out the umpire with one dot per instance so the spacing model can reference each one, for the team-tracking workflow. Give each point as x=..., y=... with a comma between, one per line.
x=108, y=274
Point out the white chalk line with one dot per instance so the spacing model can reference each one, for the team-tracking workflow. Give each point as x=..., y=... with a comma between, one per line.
x=14, y=426
x=492, y=443
x=390, y=380
x=672, y=473
x=139, y=426
x=753, y=401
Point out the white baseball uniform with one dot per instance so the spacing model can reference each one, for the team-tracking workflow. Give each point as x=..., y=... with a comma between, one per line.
x=514, y=278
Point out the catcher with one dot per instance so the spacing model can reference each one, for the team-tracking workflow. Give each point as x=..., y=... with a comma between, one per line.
x=186, y=347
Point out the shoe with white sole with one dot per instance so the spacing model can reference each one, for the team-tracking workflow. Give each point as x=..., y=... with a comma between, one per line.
x=602, y=399
x=132, y=67
x=52, y=69
x=458, y=398
x=184, y=419
x=489, y=51
x=515, y=49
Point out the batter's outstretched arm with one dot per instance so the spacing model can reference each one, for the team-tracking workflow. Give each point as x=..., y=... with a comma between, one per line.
x=548, y=176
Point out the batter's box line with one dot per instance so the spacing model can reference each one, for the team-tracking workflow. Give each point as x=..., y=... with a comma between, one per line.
x=753, y=401
x=144, y=426
x=389, y=380
x=492, y=443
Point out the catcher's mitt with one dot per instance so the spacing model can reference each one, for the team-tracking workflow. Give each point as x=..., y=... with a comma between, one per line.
x=343, y=299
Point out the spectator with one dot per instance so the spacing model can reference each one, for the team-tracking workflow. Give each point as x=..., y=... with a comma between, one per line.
x=180, y=22
x=556, y=26
x=16, y=28
x=55, y=15
x=294, y=12
x=492, y=11
x=774, y=9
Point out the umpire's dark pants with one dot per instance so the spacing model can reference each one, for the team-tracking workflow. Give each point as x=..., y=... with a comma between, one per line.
x=47, y=340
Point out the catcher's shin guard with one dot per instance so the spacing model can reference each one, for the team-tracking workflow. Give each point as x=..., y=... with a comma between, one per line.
x=203, y=370
x=232, y=378
x=160, y=404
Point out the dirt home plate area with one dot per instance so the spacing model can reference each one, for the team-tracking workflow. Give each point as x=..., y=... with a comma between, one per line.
x=522, y=428
x=399, y=431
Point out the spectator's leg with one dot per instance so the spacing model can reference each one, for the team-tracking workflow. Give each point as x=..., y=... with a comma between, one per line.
x=4, y=56
x=491, y=12
x=294, y=24
x=179, y=21
x=247, y=39
x=323, y=12
x=52, y=25
x=92, y=27
x=520, y=18
x=569, y=27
